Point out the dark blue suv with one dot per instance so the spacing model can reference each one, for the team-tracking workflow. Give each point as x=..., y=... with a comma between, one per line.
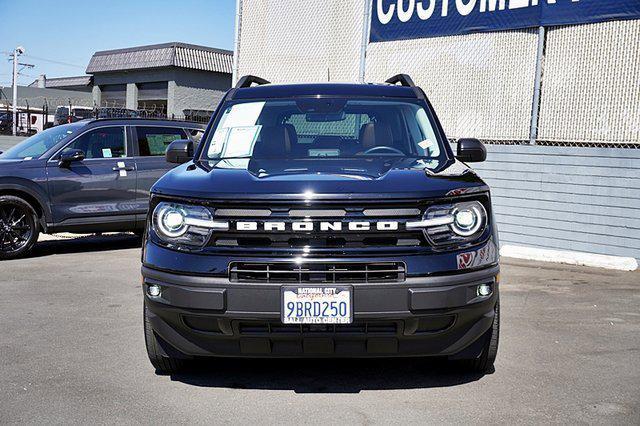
x=322, y=220
x=85, y=177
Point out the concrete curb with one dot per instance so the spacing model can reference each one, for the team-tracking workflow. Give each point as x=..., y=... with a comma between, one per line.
x=570, y=257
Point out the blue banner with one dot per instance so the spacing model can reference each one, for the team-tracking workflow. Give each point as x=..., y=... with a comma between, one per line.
x=407, y=19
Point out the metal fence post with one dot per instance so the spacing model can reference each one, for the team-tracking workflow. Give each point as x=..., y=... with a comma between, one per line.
x=535, y=107
x=236, y=42
x=366, y=25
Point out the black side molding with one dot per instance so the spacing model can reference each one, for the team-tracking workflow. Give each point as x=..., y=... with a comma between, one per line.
x=248, y=80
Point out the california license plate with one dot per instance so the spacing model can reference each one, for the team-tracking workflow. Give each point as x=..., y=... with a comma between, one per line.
x=316, y=305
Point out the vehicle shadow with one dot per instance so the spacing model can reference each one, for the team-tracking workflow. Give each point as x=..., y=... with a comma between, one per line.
x=326, y=375
x=85, y=244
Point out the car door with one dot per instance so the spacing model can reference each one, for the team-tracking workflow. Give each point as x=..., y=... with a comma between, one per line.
x=151, y=145
x=99, y=189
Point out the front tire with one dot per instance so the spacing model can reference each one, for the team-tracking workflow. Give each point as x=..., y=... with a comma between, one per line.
x=163, y=363
x=19, y=227
x=484, y=363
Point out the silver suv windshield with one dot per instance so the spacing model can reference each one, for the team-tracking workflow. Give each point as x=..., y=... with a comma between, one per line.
x=40, y=143
x=321, y=128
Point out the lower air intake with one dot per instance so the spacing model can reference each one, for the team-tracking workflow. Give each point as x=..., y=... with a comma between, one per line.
x=317, y=272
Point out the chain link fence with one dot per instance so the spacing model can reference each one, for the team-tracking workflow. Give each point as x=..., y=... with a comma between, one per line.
x=481, y=85
x=590, y=93
x=301, y=41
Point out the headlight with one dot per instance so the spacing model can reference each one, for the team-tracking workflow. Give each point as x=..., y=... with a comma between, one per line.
x=454, y=224
x=182, y=224
x=468, y=218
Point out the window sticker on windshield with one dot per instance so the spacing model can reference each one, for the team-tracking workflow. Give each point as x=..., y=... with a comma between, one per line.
x=218, y=141
x=106, y=153
x=28, y=158
x=240, y=141
x=425, y=144
x=243, y=115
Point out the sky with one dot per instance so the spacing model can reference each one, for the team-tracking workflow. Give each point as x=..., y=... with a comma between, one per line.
x=60, y=37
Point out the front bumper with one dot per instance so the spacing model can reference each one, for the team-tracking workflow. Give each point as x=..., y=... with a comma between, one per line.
x=210, y=316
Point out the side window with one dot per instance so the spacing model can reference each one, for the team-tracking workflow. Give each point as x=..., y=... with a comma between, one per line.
x=106, y=142
x=153, y=141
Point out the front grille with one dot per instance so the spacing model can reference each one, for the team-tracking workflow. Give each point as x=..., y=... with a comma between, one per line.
x=317, y=272
x=271, y=328
x=287, y=214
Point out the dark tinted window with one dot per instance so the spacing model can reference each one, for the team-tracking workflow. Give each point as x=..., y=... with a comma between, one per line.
x=106, y=142
x=153, y=141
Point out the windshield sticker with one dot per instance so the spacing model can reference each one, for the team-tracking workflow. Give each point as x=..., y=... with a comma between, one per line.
x=240, y=141
x=218, y=140
x=106, y=153
x=243, y=115
x=425, y=144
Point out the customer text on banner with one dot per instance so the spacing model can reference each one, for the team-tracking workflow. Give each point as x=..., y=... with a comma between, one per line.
x=409, y=19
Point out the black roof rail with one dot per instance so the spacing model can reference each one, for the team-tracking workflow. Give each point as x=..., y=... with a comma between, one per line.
x=403, y=79
x=248, y=80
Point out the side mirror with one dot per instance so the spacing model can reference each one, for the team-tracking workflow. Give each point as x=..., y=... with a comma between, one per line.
x=180, y=151
x=471, y=150
x=70, y=156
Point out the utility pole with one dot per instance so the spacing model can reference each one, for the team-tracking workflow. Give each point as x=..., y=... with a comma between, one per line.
x=17, y=51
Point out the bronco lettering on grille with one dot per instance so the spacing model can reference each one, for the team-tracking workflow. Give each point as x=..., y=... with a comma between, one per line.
x=307, y=226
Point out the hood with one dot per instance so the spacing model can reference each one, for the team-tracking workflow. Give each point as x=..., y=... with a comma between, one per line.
x=319, y=179
x=9, y=162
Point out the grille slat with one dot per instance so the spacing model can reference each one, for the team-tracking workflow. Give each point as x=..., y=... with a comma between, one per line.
x=283, y=237
x=317, y=272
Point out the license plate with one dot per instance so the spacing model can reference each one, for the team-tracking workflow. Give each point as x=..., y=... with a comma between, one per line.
x=316, y=305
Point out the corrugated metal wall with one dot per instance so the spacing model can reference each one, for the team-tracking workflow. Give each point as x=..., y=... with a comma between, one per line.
x=579, y=199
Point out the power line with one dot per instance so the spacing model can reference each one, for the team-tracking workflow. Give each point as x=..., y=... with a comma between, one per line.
x=54, y=62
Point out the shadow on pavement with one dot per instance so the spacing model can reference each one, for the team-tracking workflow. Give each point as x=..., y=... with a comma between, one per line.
x=85, y=244
x=326, y=375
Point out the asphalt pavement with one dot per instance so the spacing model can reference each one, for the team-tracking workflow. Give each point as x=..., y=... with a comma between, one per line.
x=72, y=351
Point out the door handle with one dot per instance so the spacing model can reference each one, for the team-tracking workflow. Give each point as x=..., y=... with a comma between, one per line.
x=125, y=169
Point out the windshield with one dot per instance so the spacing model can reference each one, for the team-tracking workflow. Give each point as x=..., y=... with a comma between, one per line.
x=40, y=143
x=313, y=128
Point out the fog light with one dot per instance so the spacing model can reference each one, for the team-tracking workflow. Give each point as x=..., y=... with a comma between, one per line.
x=153, y=290
x=484, y=290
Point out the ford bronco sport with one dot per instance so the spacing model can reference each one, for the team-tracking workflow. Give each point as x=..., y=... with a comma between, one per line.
x=322, y=220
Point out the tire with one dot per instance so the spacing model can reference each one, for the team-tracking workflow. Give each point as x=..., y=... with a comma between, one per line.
x=161, y=362
x=19, y=227
x=484, y=363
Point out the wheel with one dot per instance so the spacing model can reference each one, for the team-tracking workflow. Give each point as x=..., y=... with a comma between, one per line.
x=484, y=363
x=163, y=363
x=19, y=227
